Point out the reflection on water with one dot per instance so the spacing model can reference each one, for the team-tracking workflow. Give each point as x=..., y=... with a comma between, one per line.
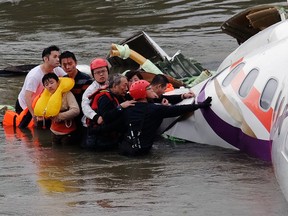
x=181, y=179
x=172, y=180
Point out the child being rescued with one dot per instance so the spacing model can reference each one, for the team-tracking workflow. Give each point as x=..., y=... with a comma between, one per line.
x=63, y=124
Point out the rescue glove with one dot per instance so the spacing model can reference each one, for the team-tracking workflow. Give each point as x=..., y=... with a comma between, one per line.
x=206, y=103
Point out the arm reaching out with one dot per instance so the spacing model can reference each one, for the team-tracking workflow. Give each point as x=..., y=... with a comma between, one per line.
x=206, y=103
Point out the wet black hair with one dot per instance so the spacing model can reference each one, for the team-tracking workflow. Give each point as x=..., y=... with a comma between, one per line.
x=132, y=73
x=160, y=79
x=49, y=76
x=67, y=54
x=47, y=51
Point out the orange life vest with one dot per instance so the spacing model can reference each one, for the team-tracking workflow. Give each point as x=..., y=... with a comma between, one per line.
x=169, y=87
x=11, y=118
x=64, y=127
x=95, y=98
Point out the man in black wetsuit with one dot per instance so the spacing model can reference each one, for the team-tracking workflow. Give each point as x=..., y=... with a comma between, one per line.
x=143, y=119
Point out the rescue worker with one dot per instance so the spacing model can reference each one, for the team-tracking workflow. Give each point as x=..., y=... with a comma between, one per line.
x=159, y=85
x=143, y=119
x=109, y=104
x=82, y=80
x=32, y=86
x=99, y=70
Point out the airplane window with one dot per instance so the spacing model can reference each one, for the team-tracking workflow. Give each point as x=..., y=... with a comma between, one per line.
x=248, y=83
x=268, y=93
x=232, y=74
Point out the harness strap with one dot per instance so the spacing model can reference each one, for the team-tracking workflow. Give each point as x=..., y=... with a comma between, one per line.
x=94, y=102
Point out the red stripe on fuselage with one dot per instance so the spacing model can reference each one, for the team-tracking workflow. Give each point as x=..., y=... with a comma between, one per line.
x=252, y=100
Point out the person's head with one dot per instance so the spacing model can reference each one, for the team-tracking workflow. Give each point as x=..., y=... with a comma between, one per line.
x=133, y=76
x=159, y=84
x=141, y=89
x=118, y=84
x=68, y=62
x=50, y=56
x=99, y=69
x=50, y=82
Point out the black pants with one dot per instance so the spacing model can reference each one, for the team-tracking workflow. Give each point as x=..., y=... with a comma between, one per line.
x=26, y=119
x=104, y=141
x=63, y=140
x=127, y=148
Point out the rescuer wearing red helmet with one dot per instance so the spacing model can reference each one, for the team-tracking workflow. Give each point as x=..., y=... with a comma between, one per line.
x=99, y=71
x=143, y=120
x=141, y=90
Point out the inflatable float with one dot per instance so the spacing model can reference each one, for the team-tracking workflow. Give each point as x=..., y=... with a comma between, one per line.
x=49, y=105
x=46, y=105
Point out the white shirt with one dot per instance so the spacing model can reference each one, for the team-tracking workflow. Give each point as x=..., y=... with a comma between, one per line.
x=85, y=104
x=33, y=83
